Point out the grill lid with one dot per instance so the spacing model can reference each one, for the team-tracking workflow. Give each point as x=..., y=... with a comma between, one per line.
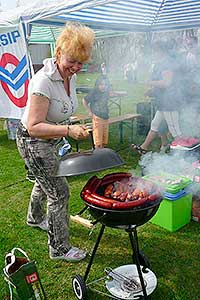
x=88, y=161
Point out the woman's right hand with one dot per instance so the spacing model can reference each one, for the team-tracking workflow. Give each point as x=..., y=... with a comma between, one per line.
x=78, y=132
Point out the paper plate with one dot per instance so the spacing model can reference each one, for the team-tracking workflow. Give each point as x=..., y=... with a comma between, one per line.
x=114, y=287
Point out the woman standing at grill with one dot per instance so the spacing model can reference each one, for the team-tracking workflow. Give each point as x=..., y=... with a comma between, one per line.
x=51, y=101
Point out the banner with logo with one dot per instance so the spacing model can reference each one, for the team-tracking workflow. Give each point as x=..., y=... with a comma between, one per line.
x=14, y=72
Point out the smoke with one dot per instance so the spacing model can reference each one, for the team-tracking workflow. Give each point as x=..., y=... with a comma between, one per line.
x=138, y=50
x=190, y=120
x=173, y=163
x=185, y=82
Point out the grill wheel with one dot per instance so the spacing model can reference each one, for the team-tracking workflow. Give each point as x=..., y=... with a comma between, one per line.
x=79, y=287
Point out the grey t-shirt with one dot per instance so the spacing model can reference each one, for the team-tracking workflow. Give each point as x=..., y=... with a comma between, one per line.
x=169, y=98
x=49, y=83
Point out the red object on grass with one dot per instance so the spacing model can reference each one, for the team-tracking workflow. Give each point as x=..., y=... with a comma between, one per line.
x=185, y=142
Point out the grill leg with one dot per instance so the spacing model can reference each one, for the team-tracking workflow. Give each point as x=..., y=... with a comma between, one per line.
x=93, y=252
x=121, y=132
x=135, y=248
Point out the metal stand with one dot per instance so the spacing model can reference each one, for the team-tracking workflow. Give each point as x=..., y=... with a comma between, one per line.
x=94, y=252
x=117, y=101
x=135, y=255
x=121, y=131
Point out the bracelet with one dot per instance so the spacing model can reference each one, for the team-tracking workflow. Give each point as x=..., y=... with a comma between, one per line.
x=68, y=128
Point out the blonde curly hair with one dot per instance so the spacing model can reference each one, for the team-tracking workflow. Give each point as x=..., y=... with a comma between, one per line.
x=75, y=41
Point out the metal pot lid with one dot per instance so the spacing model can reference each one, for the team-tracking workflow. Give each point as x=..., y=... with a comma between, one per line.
x=88, y=161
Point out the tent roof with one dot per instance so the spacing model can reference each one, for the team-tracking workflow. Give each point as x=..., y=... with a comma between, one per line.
x=126, y=15
x=49, y=34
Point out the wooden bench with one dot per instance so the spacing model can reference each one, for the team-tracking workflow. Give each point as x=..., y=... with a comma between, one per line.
x=125, y=120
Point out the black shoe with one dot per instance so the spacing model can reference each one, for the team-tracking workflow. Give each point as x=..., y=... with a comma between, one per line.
x=138, y=149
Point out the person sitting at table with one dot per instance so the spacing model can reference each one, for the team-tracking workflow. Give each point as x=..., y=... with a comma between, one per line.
x=96, y=104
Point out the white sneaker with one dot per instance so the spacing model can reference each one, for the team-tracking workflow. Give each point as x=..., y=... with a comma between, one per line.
x=43, y=225
x=73, y=255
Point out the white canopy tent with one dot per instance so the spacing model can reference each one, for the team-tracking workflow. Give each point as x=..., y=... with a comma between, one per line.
x=38, y=22
x=128, y=15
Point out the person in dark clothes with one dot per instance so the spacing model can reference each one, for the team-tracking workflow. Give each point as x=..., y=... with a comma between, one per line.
x=96, y=104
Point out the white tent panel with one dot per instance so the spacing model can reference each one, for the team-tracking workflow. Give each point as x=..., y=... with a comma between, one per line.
x=127, y=15
x=39, y=52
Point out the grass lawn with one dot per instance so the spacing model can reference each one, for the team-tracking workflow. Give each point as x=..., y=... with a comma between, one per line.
x=174, y=257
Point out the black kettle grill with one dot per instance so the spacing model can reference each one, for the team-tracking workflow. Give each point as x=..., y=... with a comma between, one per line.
x=124, y=215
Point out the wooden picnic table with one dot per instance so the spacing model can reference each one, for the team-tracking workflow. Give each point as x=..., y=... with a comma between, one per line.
x=123, y=120
x=116, y=98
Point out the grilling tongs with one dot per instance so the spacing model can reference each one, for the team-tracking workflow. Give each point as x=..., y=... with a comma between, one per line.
x=127, y=284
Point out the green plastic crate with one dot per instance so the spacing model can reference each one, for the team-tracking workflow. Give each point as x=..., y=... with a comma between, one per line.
x=172, y=215
x=168, y=187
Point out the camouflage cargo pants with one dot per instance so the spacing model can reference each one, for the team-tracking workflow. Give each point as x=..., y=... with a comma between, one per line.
x=39, y=155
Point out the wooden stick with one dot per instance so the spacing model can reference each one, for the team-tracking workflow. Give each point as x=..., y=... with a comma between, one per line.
x=82, y=221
